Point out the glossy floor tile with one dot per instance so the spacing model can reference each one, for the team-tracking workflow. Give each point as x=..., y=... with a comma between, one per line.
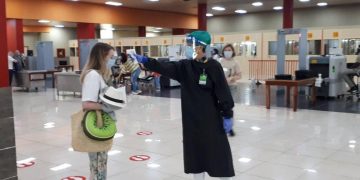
x=275, y=144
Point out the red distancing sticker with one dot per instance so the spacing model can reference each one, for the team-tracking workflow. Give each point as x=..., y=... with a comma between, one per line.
x=25, y=165
x=144, y=133
x=74, y=178
x=139, y=158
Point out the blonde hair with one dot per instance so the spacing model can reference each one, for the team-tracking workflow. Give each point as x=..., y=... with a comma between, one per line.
x=97, y=61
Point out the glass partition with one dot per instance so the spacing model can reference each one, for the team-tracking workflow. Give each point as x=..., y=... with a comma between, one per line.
x=331, y=43
x=314, y=47
x=350, y=46
x=155, y=51
x=145, y=50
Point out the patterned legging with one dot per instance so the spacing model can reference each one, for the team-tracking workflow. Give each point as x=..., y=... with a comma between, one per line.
x=98, y=165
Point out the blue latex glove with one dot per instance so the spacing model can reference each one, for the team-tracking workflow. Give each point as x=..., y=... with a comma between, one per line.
x=141, y=59
x=228, y=124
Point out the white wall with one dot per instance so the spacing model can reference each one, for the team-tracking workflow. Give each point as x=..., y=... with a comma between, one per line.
x=30, y=40
x=60, y=38
x=348, y=15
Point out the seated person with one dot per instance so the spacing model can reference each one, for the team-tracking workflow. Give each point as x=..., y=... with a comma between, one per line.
x=132, y=67
x=348, y=75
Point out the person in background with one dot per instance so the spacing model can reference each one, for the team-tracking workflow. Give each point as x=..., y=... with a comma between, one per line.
x=215, y=54
x=232, y=72
x=358, y=51
x=11, y=62
x=349, y=73
x=157, y=81
x=20, y=59
x=94, y=79
x=206, y=105
x=134, y=68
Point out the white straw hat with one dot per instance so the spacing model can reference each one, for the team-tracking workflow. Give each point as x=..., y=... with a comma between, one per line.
x=114, y=97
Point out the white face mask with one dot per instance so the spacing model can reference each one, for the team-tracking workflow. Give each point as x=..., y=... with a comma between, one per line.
x=228, y=54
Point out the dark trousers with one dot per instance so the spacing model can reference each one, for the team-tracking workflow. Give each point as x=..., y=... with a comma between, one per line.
x=11, y=74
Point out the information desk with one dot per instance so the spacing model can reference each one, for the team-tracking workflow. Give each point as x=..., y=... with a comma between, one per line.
x=290, y=84
x=34, y=79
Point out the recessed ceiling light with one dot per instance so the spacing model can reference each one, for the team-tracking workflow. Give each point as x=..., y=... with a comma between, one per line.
x=113, y=3
x=322, y=4
x=209, y=15
x=218, y=8
x=257, y=4
x=304, y=0
x=43, y=21
x=59, y=26
x=241, y=11
x=278, y=8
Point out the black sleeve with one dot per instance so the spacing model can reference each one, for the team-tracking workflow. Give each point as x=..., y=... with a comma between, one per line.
x=171, y=70
x=222, y=92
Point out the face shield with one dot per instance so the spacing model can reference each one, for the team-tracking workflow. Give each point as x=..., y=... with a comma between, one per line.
x=191, y=44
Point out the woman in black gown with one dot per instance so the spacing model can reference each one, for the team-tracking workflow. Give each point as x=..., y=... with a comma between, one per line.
x=206, y=104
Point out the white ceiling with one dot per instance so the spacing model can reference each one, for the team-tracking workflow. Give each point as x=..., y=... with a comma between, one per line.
x=190, y=6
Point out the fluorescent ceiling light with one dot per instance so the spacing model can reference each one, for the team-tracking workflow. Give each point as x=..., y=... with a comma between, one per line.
x=43, y=21
x=158, y=28
x=153, y=0
x=61, y=167
x=59, y=26
x=278, y=8
x=304, y=0
x=322, y=4
x=113, y=3
x=75, y=0
x=241, y=11
x=218, y=8
x=156, y=31
x=257, y=4
x=209, y=14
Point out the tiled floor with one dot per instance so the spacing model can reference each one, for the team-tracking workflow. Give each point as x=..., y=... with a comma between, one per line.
x=273, y=144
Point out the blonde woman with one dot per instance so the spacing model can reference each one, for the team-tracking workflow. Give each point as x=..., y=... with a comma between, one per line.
x=93, y=79
x=233, y=75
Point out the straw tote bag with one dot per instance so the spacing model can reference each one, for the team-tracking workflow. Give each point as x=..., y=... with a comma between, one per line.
x=80, y=142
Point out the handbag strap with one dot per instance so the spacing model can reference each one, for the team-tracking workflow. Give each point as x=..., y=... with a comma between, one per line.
x=99, y=119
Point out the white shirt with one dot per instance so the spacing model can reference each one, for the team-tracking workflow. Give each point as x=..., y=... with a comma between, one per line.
x=92, y=86
x=10, y=62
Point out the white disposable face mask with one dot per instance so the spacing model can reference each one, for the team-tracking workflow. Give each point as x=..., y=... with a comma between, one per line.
x=228, y=54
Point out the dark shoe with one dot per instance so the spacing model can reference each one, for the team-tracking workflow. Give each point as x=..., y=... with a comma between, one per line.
x=353, y=89
x=232, y=133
